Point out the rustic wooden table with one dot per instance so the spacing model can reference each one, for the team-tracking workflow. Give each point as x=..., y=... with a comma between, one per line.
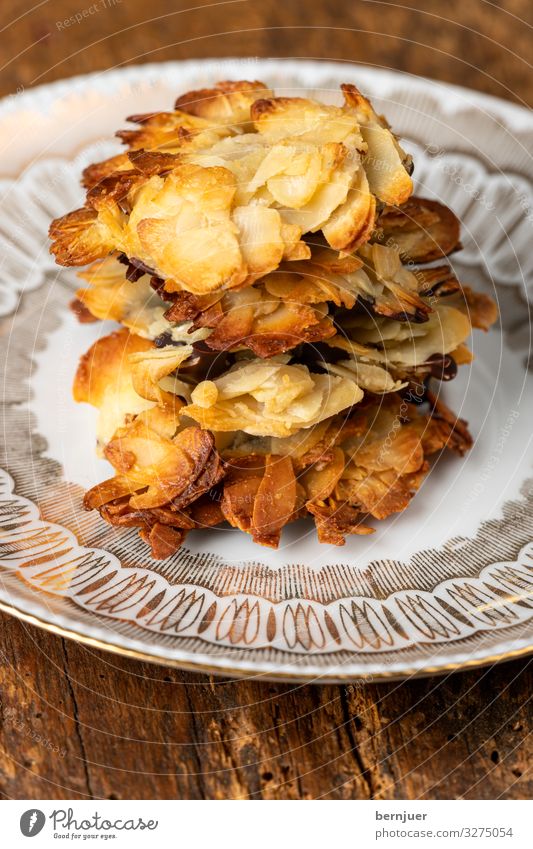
x=76, y=723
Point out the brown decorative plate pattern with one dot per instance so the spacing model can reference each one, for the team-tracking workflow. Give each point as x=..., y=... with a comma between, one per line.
x=447, y=585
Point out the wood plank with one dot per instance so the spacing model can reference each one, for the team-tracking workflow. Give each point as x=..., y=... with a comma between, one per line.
x=132, y=730
x=460, y=42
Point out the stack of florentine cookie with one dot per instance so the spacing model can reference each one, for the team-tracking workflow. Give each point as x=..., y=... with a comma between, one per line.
x=268, y=264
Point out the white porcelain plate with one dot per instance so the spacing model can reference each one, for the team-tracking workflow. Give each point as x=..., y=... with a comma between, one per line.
x=443, y=586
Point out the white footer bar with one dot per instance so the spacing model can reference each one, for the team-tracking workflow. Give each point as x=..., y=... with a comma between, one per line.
x=268, y=824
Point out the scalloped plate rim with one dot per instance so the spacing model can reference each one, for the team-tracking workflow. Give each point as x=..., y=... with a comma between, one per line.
x=222, y=665
x=34, y=93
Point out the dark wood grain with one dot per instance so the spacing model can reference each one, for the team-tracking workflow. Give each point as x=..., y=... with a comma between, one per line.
x=77, y=723
x=485, y=45
x=131, y=730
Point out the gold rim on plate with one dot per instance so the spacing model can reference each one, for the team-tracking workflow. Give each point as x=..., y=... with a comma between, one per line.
x=232, y=672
